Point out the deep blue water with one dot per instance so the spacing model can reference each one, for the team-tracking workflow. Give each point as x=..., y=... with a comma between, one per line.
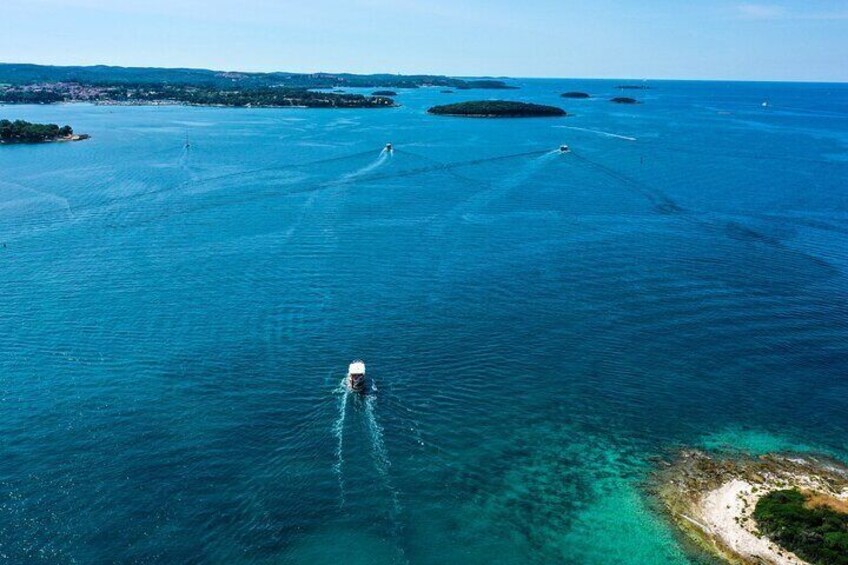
x=175, y=324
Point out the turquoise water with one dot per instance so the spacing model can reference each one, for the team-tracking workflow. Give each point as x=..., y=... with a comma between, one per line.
x=539, y=327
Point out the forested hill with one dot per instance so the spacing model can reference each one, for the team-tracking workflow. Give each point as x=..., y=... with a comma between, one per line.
x=20, y=74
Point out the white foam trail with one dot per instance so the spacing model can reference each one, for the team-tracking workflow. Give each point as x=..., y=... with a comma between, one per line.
x=384, y=156
x=381, y=456
x=338, y=431
x=599, y=132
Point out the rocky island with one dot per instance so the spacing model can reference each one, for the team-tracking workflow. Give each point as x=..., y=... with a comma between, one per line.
x=497, y=109
x=384, y=93
x=624, y=100
x=577, y=95
x=20, y=131
x=774, y=509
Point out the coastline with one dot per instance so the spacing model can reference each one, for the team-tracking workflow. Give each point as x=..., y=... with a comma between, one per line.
x=64, y=139
x=712, y=500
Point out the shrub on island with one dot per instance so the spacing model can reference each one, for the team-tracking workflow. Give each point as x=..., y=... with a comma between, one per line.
x=21, y=131
x=384, y=93
x=815, y=532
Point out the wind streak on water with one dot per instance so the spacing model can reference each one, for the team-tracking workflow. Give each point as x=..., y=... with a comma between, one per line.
x=338, y=431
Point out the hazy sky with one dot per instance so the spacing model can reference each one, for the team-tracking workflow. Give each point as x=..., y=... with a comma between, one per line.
x=789, y=40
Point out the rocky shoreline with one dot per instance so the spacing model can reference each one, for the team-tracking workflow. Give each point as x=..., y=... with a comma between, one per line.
x=711, y=500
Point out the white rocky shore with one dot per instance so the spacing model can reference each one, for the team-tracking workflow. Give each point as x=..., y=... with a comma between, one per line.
x=712, y=500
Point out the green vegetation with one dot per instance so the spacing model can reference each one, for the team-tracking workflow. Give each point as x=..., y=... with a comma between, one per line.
x=575, y=95
x=12, y=96
x=20, y=131
x=624, y=100
x=24, y=74
x=193, y=96
x=497, y=109
x=384, y=93
x=817, y=534
x=263, y=97
x=484, y=85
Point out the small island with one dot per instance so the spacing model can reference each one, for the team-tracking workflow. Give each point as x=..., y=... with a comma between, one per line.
x=633, y=87
x=384, y=93
x=577, y=95
x=624, y=100
x=775, y=509
x=20, y=131
x=485, y=84
x=497, y=109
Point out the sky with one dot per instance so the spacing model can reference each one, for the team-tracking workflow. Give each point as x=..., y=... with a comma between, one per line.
x=798, y=40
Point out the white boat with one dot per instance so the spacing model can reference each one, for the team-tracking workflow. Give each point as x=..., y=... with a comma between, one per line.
x=564, y=149
x=389, y=148
x=356, y=375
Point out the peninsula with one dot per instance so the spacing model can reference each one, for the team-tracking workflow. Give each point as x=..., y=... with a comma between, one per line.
x=775, y=509
x=497, y=109
x=20, y=131
x=35, y=84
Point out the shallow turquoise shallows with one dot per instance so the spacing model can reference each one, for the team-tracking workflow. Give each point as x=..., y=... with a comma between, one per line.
x=538, y=327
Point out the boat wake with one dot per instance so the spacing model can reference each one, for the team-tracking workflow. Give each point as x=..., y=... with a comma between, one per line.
x=379, y=161
x=599, y=132
x=381, y=457
x=338, y=431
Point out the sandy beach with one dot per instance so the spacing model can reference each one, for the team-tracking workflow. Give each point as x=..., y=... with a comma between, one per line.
x=712, y=501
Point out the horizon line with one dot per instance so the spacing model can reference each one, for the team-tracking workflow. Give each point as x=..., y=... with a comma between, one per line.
x=457, y=76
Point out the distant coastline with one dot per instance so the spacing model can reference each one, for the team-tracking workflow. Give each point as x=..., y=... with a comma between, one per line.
x=35, y=84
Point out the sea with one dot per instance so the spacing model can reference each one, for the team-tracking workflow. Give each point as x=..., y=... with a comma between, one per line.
x=181, y=295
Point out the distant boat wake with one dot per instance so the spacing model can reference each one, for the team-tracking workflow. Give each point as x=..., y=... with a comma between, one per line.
x=599, y=132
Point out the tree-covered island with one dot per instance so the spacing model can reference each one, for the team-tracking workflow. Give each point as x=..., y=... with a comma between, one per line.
x=577, y=95
x=497, y=109
x=20, y=131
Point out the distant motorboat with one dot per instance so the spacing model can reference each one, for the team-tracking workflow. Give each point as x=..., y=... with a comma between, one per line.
x=765, y=104
x=564, y=149
x=356, y=375
x=389, y=148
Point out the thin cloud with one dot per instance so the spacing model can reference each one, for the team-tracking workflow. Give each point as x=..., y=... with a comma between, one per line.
x=761, y=11
x=771, y=12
